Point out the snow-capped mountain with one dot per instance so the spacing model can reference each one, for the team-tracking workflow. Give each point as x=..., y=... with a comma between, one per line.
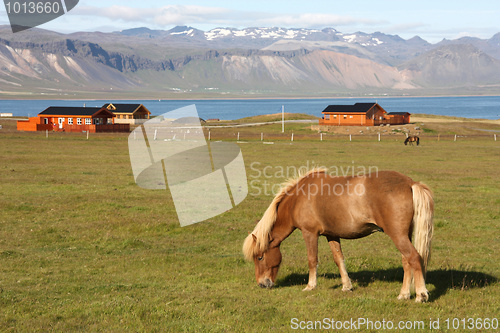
x=240, y=61
x=383, y=48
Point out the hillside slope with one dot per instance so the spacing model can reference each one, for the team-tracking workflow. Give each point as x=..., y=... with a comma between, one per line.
x=452, y=66
x=142, y=62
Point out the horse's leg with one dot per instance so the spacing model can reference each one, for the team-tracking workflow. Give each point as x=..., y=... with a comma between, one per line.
x=406, y=248
x=405, y=290
x=338, y=257
x=312, y=257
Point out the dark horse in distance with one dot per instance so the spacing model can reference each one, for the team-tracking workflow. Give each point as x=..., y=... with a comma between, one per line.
x=412, y=139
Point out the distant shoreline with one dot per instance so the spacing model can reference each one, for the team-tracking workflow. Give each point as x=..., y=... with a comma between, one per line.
x=215, y=98
x=482, y=107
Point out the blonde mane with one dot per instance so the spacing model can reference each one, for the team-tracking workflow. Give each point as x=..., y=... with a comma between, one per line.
x=258, y=240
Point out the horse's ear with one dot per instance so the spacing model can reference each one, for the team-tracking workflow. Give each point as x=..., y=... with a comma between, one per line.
x=254, y=238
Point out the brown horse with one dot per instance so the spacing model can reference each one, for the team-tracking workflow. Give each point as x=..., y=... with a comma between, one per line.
x=412, y=139
x=350, y=208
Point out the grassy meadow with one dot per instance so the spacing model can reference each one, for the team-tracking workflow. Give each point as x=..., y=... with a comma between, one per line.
x=83, y=248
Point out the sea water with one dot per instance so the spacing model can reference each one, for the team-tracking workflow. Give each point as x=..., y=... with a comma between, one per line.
x=484, y=107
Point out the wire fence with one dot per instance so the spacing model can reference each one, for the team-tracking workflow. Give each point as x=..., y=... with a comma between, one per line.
x=216, y=135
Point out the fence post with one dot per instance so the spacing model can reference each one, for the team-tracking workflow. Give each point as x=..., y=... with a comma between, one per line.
x=208, y=135
x=292, y=136
x=87, y=134
x=261, y=136
x=495, y=137
x=350, y=137
x=321, y=137
x=47, y=134
x=238, y=136
x=379, y=137
x=455, y=138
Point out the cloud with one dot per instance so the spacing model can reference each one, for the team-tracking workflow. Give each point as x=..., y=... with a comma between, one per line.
x=177, y=14
x=163, y=16
x=317, y=20
x=217, y=16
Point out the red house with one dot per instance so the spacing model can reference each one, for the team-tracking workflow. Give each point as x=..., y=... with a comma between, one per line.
x=398, y=118
x=73, y=119
x=361, y=114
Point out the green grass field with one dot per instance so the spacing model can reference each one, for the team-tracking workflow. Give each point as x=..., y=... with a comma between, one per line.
x=83, y=248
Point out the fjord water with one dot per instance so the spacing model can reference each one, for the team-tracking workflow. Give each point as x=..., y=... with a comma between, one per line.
x=484, y=107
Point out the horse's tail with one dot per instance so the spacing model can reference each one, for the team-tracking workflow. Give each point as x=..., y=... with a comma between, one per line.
x=418, y=140
x=423, y=212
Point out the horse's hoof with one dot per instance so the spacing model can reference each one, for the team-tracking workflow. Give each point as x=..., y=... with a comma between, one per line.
x=345, y=289
x=308, y=288
x=404, y=296
x=422, y=297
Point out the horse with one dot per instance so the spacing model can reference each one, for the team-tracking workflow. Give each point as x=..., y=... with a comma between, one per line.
x=412, y=139
x=346, y=208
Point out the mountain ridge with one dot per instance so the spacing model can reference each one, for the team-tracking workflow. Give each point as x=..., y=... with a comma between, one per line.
x=255, y=61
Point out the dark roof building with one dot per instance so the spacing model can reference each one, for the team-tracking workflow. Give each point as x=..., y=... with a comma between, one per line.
x=358, y=107
x=361, y=114
x=73, y=119
x=128, y=113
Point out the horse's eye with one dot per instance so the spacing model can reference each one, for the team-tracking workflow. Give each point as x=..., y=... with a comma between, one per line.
x=260, y=258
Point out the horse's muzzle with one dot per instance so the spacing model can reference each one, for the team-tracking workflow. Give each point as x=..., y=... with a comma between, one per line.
x=267, y=283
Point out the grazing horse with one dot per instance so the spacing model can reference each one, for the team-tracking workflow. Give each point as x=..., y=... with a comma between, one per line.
x=350, y=208
x=412, y=139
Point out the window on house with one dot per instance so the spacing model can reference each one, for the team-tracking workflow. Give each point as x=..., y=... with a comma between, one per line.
x=327, y=117
x=350, y=117
x=70, y=121
x=345, y=116
x=46, y=120
x=334, y=116
x=88, y=121
x=78, y=121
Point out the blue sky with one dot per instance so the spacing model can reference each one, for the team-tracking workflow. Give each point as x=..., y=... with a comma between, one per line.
x=431, y=20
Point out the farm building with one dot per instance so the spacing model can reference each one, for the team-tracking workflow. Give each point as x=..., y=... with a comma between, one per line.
x=361, y=114
x=132, y=114
x=73, y=119
x=398, y=118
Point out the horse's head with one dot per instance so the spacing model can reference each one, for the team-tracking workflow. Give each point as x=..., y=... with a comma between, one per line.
x=267, y=262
